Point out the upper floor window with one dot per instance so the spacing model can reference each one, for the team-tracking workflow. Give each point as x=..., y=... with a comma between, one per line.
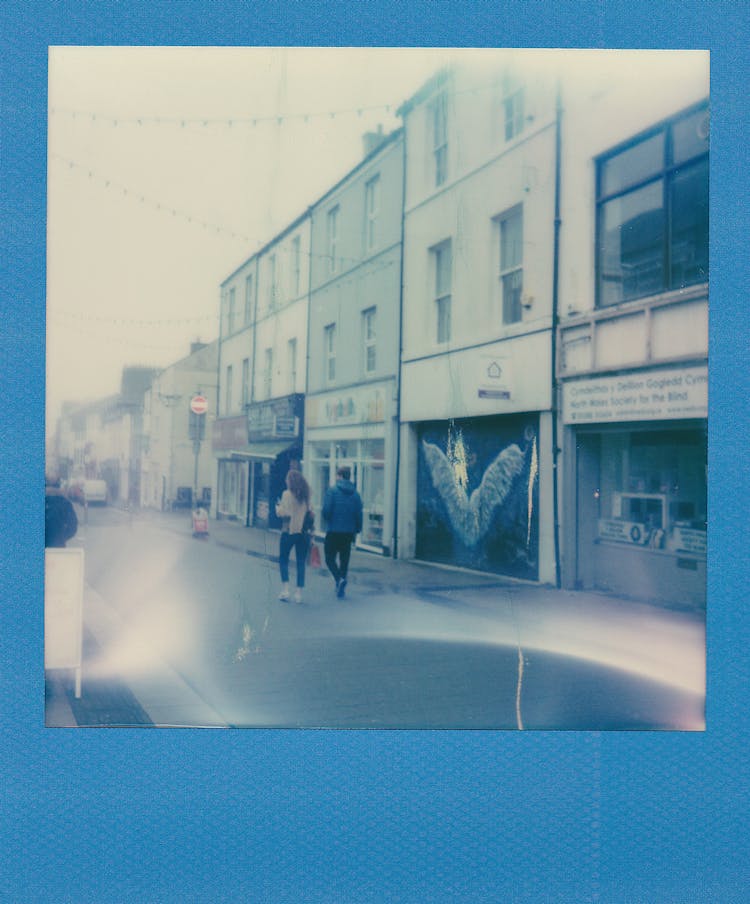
x=272, y=283
x=439, y=128
x=296, y=266
x=231, y=312
x=245, y=381
x=372, y=206
x=228, y=391
x=332, y=226
x=248, y=298
x=267, y=372
x=369, y=339
x=511, y=264
x=291, y=350
x=652, y=211
x=512, y=105
x=329, y=352
x=443, y=274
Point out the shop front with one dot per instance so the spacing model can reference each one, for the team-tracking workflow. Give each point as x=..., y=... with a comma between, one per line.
x=274, y=445
x=637, y=503
x=478, y=494
x=351, y=427
x=229, y=434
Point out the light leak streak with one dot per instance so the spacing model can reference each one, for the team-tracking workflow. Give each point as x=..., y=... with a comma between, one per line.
x=519, y=687
x=533, y=472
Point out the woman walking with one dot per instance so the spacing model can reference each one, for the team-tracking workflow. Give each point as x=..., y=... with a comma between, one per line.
x=293, y=508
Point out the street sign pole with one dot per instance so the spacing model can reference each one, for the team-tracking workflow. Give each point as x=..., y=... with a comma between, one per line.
x=198, y=408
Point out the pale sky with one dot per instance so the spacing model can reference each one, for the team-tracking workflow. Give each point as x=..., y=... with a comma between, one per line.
x=147, y=215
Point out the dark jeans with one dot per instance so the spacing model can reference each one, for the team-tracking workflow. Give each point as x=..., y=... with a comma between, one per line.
x=338, y=545
x=299, y=542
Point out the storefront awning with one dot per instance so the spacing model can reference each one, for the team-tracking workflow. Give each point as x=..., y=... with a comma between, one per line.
x=262, y=451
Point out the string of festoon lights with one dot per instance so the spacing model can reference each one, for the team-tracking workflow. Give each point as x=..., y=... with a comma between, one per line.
x=130, y=321
x=140, y=197
x=182, y=215
x=206, y=121
x=103, y=336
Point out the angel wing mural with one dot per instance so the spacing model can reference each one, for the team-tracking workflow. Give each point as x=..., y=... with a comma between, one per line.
x=471, y=515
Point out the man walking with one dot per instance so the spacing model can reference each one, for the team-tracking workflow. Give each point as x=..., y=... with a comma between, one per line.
x=342, y=510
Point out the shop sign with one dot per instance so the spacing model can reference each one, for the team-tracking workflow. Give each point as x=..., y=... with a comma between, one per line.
x=494, y=377
x=624, y=531
x=641, y=396
x=356, y=407
x=687, y=539
x=277, y=419
x=229, y=433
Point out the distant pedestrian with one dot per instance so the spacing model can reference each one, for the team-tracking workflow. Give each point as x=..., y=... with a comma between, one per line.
x=60, y=519
x=342, y=510
x=294, y=510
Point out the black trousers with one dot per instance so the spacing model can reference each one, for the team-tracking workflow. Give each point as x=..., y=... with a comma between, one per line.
x=338, y=545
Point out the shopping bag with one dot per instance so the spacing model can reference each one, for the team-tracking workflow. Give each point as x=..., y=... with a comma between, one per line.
x=314, y=556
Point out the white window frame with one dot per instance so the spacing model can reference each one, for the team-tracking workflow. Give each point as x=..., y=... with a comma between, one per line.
x=438, y=111
x=272, y=283
x=245, y=382
x=512, y=105
x=296, y=266
x=332, y=235
x=442, y=294
x=509, y=268
x=291, y=347
x=231, y=311
x=372, y=211
x=228, y=389
x=369, y=340
x=248, y=298
x=329, y=352
x=267, y=372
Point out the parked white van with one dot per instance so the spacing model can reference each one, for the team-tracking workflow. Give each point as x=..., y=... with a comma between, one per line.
x=95, y=491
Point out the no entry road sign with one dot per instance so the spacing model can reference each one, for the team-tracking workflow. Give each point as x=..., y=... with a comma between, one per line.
x=198, y=404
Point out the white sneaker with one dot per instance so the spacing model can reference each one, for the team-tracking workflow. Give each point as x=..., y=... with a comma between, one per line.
x=297, y=596
x=284, y=595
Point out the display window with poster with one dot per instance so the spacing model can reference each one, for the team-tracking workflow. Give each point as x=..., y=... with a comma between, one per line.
x=653, y=489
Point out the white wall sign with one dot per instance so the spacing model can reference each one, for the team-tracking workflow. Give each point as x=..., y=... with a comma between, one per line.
x=643, y=396
x=355, y=406
x=63, y=610
x=494, y=377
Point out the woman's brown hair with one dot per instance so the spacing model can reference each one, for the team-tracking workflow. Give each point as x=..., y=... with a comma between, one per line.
x=298, y=486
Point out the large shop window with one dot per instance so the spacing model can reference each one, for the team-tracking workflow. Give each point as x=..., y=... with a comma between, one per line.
x=367, y=461
x=653, y=490
x=652, y=212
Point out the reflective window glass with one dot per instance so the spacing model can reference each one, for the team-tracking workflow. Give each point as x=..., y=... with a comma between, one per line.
x=689, y=244
x=633, y=165
x=631, y=252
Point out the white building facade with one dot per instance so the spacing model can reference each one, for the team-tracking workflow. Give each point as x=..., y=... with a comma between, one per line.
x=476, y=482
x=351, y=405
x=633, y=335
x=174, y=470
x=262, y=375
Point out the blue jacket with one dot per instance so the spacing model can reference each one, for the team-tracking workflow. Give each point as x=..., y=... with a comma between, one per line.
x=342, y=508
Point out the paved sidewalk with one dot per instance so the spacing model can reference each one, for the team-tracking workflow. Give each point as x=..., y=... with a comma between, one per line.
x=373, y=571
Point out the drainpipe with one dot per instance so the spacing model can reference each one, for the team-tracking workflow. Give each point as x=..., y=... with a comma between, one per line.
x=215, y=501
x=246, y=410
x=555, y=321
x=307, y=337
x=400, y=349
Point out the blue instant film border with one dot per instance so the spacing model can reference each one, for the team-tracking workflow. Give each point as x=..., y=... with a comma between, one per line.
x=338, y=816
